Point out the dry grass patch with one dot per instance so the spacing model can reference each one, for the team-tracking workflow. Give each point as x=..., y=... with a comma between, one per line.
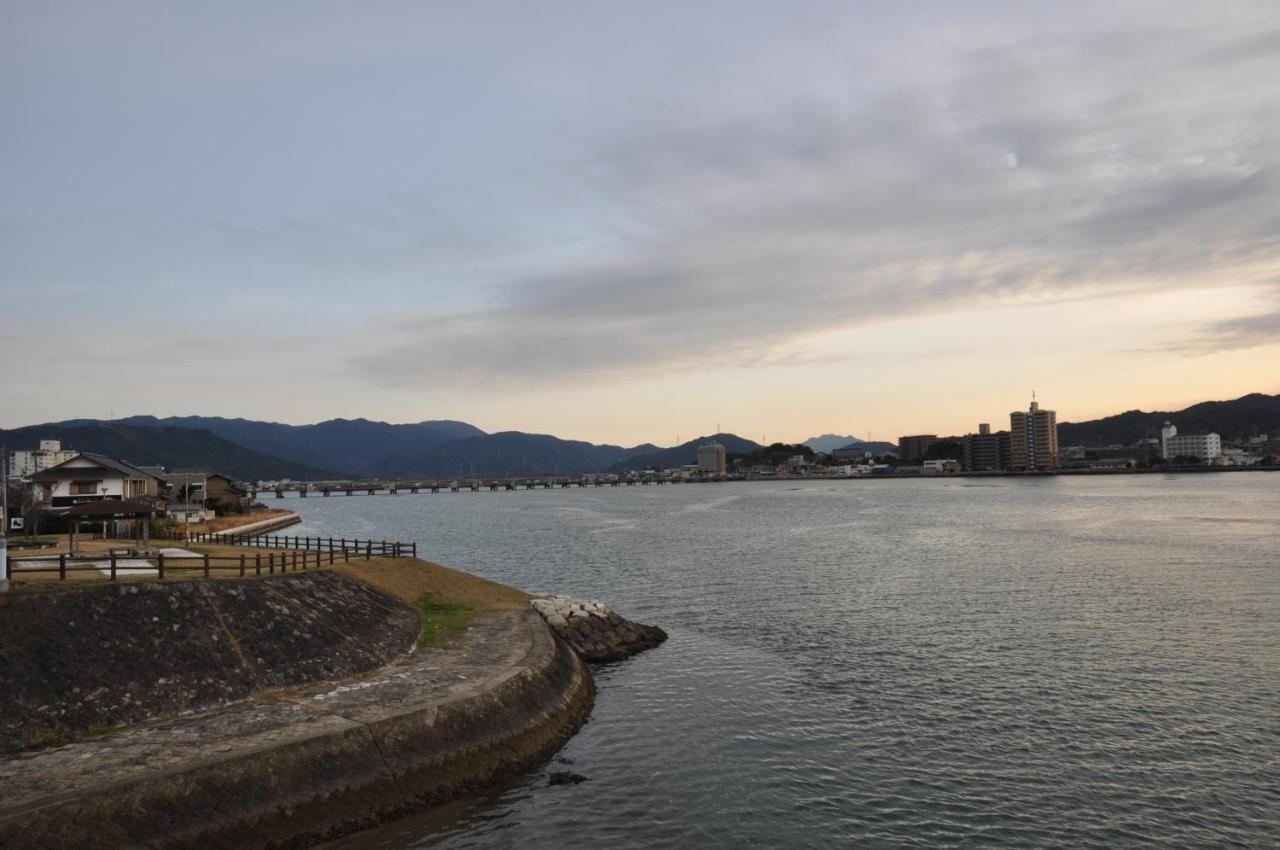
x=233, y=521
x=411, y=579
x=446, y=598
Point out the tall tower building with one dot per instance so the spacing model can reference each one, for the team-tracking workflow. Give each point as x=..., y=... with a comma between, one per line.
x=711, y=459
x=1033, y=442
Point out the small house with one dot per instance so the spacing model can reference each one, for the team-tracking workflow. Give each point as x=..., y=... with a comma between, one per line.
x=89, y=477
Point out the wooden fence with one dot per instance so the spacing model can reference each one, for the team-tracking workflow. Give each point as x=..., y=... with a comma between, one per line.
x=366, y=548
x=175, y=565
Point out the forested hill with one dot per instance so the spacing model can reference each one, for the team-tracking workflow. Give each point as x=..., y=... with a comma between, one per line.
x=194, y=448
x=1246, y=416
x=685, y=453
x=510, y=453
x=358, y=446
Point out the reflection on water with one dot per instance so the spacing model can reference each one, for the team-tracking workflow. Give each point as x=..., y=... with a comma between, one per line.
x=1025, y=663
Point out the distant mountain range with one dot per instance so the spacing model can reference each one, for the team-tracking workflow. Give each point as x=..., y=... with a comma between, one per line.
x=354, y=448
x=683, y=454
x=1246, y=416
x=509, y=453
x=828, y=443
x=172, y=448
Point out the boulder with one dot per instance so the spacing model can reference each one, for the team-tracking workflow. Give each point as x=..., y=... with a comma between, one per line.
x=595, y=632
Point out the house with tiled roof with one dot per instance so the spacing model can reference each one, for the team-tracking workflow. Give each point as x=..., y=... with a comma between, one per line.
x=89, y=477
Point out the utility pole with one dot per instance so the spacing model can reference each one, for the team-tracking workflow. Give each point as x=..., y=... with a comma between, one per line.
x=4, y=518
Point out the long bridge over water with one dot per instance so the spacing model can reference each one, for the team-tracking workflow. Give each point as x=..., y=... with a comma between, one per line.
x=470, y=485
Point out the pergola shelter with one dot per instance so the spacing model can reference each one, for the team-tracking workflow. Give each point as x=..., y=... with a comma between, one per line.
x=113, y=510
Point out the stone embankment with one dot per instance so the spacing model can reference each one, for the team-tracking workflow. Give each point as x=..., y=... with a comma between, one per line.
x=314, y=763
x=595, y=632
x=105, y=655
x=242, y=712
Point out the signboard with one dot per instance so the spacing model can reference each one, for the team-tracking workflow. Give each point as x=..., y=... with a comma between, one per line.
x=15, y=523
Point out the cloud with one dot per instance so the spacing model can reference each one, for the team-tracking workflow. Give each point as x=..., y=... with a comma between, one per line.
x=1040, y=169
x=1235, y=334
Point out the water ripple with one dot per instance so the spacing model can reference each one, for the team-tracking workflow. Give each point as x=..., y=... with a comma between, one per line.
x=1055, y=664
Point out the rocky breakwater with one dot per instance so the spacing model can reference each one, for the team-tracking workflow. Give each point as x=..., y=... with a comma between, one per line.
x=594, y=631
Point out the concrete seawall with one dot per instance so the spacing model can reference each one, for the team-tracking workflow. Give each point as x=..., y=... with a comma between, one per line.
x=103, y=655
x=263, y=526
x=315, y=764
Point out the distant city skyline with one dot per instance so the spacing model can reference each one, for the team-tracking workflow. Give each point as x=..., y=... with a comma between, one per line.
x=620, y=224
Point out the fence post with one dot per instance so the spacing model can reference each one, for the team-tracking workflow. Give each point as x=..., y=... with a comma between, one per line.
x=368, y=549
x=206, y=564
x=346, y=555
x=257, y=563
x=413, y=548
x=271, y=563
x=113, y=566
x=62, y=567
x=241, y=565
x=160, y=565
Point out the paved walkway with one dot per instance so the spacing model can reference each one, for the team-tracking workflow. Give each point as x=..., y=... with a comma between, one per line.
x=490, y=652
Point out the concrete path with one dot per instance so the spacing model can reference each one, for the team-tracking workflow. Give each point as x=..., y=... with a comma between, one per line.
x=214, y=756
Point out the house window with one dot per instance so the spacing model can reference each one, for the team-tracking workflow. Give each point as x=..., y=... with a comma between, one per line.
x=84, y=488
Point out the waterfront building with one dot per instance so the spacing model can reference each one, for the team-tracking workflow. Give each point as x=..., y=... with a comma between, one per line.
x=986, y=451
x=1202, y=447
x=24, y=464
x=1033, y=441
x=711, y=459
x=939, y=467
x=911, y=450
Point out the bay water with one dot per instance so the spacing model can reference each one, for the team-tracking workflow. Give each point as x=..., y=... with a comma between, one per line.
x=1072, y=662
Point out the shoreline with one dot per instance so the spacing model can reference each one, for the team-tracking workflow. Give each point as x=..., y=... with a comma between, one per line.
x=312, y=753
x=318, y=764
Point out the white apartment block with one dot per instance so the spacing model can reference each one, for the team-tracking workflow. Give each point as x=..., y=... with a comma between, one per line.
x=24, y=464
x=1204, y=447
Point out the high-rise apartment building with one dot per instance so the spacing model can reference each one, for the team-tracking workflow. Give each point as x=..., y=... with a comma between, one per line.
x=986, y=451
x=911, y=450
x=1033, y=438
x=23, y=464
x=711, y=459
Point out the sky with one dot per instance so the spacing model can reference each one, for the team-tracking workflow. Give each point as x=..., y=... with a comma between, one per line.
x=638, y=222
